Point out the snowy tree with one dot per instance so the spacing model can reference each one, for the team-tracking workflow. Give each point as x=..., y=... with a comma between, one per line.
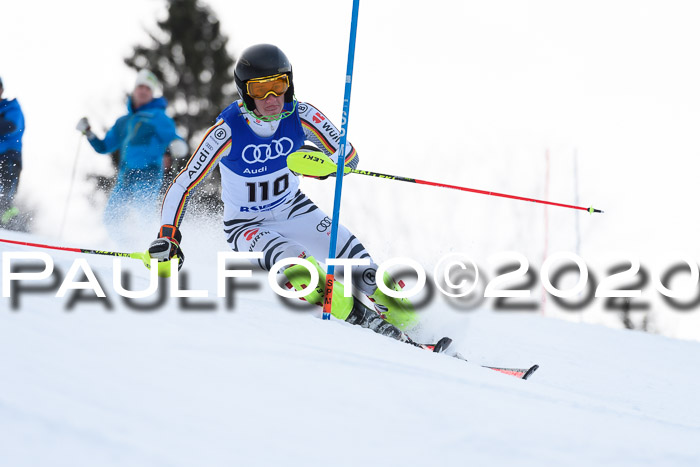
x=188, y=54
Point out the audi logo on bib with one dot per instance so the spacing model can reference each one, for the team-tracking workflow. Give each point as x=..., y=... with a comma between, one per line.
x=253, y=154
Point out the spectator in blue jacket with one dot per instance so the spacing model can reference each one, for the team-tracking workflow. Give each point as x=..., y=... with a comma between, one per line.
x=142, y=137
x=11, y=131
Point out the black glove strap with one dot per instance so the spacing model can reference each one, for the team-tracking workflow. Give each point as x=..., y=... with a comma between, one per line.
x=171, y=232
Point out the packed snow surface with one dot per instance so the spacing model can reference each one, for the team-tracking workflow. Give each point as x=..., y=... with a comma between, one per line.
x=248, y=380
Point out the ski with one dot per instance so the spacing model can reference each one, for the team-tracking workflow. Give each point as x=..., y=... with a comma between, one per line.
x=442, y=345
x=522, y=373
x=439, y=347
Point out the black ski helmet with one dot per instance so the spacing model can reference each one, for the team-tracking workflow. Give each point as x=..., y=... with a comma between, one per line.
x=259, y=61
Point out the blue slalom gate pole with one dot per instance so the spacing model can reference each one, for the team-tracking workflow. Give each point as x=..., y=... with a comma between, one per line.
x=341, y=162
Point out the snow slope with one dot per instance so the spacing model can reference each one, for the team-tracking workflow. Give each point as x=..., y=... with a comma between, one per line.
x=261, y=383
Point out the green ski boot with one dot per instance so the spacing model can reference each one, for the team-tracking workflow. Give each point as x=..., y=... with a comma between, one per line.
x=299, y=277
x=397, y=311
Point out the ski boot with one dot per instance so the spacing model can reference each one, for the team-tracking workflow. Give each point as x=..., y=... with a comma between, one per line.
x=367, y=318
x=299, y=279
x=397, y=311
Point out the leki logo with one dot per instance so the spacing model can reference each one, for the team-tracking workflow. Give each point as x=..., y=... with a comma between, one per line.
x=263, y=152
x=318, y=118
x=248, y=234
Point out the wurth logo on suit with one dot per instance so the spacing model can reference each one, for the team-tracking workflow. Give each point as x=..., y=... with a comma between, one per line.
x=256, y=238
x=319, y=127
x=248, y=234
x=331, y=131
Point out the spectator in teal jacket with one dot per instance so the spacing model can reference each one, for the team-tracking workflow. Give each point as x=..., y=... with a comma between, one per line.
x=11, y=131
x=142, y=137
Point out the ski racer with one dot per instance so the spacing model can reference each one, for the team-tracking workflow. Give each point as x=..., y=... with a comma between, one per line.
x=264, y=209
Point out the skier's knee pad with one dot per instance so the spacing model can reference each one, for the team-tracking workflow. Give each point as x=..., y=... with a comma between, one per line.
x=300, y=279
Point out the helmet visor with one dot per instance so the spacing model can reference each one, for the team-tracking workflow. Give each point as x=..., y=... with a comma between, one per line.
x=260, y=88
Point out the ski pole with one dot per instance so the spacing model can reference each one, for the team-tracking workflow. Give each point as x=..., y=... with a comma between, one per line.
x=143, y=256
x=341, y=165
x=70, y=188
x=320, y=165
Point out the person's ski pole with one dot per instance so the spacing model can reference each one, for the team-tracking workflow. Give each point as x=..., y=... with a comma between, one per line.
x=70, y=188
x=142, y=256
x=317, y=164
x=328, y=298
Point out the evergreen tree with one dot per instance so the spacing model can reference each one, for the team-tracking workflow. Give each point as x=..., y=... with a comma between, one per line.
x=188, y=55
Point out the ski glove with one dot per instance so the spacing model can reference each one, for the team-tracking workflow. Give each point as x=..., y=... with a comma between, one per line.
x=83, y=126
x=167, y=245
